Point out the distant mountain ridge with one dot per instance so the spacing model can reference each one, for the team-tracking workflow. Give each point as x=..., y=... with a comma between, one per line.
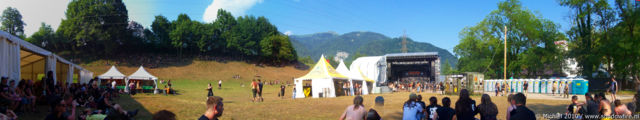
x=368, y=43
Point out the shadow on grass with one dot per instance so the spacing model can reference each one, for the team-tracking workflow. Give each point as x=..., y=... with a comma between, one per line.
x=129, y=103
x=539, y=108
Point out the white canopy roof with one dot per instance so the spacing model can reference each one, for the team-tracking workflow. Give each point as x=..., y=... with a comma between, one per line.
x=342, y=69
x=142, y=74
x=113, y=73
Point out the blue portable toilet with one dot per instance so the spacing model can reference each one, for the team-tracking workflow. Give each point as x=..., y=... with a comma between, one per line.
x=579, y=86
x=535, y=85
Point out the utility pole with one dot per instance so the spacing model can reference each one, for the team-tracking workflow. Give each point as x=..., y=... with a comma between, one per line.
x=505, y=53
x=404, y=41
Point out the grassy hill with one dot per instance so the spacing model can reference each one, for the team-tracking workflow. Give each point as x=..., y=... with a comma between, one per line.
x=206, y=70
x=368, y=43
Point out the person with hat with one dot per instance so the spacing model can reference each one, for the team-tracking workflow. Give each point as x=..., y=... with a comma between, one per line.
x=411, y=108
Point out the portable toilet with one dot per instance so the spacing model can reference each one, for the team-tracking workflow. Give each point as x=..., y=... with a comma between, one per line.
x=545, y=86
x=529, y=85
x=519, y=85
x=579, y=86
x=535, y=86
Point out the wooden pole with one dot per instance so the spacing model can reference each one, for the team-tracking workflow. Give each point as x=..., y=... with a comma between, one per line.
x=505, y=53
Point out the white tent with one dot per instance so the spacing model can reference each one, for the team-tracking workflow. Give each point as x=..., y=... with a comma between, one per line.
x=342, y=69
x=142, y=74
x=322, y=77
x=22, y=60
x=370, y=70
x=112, y=73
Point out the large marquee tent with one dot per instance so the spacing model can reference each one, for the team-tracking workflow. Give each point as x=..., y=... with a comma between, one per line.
x=23, y=60
x=322, y=77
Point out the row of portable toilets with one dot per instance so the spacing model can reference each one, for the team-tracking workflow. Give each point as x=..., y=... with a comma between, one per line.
x=576, y=86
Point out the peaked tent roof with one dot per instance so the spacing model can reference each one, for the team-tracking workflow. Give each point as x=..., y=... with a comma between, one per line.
x=322, y=69
x=112, y=73
x=142, y=74
x=342, y=69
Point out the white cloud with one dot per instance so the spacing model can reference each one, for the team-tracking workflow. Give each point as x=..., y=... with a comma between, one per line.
x=288, y=32
x=235, y=7
x=35, y=12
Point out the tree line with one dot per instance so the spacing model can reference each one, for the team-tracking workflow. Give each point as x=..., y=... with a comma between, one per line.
x=97, y=28
x=602, y=35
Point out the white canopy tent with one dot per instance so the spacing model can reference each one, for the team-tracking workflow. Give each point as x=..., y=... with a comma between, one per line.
x=142, y=74
x=322, y=77
x=23, y=60
x=112, y=74
x=342, y=69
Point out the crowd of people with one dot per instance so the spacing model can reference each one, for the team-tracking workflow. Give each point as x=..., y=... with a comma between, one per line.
x=63, y=100
x=465, y=108
x=417, y=86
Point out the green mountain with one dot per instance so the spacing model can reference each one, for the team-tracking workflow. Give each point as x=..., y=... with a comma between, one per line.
x=367, y=43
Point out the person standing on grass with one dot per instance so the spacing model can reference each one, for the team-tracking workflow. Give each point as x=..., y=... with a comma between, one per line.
x=487, y=109
x=355, y=111
x=432, y=108
x=614, y=87
x=566, y=91
x=344, y=88
x=210, y=91
x=521, y=112
x=254, y=89
x=219, y=84
x=215, y=107
x=465, y=106
x=525, y=87
x=260, y=84
x=293, y=96
x=282, y=88
x=411, y=108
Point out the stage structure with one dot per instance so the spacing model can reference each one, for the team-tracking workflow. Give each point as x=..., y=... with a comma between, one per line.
x=398, y=67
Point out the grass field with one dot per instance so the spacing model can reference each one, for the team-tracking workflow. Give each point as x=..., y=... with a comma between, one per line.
x=191, y=80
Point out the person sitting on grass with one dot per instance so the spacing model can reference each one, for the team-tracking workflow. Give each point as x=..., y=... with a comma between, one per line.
x=355, y=111
x=521, y=112
x=372, y=115
x=465, y=106
x=215, y=107
x=445, y=112
x=432, y=108
x=605, y=105
x=621, y=109
x=574, y=106
x=487, y=109
x=411, y=108
x=164, y=115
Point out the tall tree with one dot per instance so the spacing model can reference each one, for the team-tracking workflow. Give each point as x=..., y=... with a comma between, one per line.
x=530, y=39
x=161, y=28
x=44, y=37
x=277, y=48
x=182, y=34
x=12, y=22
x=96, y=26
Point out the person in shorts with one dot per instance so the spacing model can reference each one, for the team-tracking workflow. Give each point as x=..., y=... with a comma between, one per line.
x=254, y=89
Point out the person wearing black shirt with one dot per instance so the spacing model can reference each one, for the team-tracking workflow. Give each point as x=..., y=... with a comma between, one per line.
x=215, y=108
x=260, y=84
x=282, y=87
x=49, y=80
x=445, y=112
x=419, y=101
x=465, y=106
x=432, y=108
x=521, y=112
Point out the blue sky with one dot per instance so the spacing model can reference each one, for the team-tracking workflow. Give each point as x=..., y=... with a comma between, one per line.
x=433, y=21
